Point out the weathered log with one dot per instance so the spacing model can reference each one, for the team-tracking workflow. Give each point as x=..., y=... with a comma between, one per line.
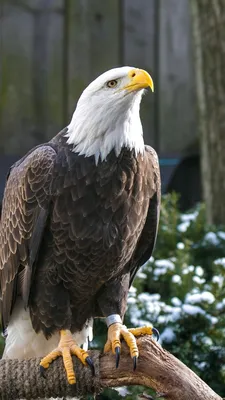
x=156, y=368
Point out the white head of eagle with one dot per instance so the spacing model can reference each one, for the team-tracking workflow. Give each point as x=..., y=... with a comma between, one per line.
x=107, y=114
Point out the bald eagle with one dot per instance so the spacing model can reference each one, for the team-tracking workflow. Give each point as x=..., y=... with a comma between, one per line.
x=79, y=217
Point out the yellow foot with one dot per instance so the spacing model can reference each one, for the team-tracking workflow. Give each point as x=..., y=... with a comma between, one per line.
x=117, y=330
x=66, y=348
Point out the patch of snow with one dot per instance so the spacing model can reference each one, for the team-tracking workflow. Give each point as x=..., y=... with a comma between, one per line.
x=220, y=305
x=176, y=279
x=145, y=297
x=214, y=320
x=168, y=308
x=159, y=271
x=131, y=300
x=144, y=322
x=189, y=217
x=149, y=304
x=192, y=310
x=123, y=391
x=219, y=280
x=155, y=297
x=132, y=290
x=141, y=275
x=135, y=314
x=168, y=264
x=153, y=308
x=180, y=245
x=199, y=297
x=168, y=335
x=162, y=319
x=220, y=261
x=221, y=235
x=183, y=226
x=199, y=271
x=176, y=302
x=201, y=365
x=188, y=269
x=185, y=271
x=173, y=313
x=212, y=238
x=198, y=280
x=207, y=341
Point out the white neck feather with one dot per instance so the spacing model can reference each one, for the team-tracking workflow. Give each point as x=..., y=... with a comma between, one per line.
x=98, y=130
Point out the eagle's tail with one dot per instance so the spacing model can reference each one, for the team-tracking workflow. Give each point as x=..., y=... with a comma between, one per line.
x=23, y=342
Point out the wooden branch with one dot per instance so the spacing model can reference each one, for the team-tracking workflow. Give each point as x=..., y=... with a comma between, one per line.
x=156, y=368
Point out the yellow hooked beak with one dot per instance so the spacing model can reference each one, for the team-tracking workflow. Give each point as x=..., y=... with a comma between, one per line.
x=139, y=79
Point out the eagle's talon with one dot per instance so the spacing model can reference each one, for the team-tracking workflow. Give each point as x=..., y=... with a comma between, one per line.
x=156, y=333
x=42, y=371
x=117, y=351
x=144, y=330
x=90, y=364
x=117, y=331
x=134, y=363
x=66, y=348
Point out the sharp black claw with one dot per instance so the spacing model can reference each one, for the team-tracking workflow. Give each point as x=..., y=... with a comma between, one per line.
x=117, y=350
x=91, y=365
x=156, y=333
x=42, y=371
x=134, y=363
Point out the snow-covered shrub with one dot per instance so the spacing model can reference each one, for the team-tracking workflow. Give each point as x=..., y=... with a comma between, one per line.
x=181, y=292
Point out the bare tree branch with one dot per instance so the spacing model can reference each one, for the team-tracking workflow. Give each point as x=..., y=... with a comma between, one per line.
x=156, y=368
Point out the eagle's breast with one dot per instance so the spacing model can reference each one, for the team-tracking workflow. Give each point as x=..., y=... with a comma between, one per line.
x=98, y=215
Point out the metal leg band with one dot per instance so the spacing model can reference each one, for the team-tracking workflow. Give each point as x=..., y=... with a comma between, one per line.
x=112, y=319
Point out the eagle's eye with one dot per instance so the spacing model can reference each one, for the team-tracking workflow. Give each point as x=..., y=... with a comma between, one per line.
x=111, y=84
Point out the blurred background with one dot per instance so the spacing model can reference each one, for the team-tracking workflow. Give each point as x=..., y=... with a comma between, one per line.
x=51, y=49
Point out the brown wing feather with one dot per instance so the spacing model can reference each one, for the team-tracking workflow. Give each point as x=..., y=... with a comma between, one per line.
x=148, y=236
x=24, y=211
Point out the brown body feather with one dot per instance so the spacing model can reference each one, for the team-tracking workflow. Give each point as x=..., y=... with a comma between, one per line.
x=73, y=234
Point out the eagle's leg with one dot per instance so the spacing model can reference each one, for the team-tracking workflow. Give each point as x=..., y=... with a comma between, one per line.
x=116, y=331
x=112, y=302
x=66, y=348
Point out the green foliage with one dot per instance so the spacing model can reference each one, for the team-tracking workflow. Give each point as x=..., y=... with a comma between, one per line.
x=181, y=291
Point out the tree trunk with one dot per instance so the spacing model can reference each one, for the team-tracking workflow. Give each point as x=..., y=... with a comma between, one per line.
x=208, y=17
